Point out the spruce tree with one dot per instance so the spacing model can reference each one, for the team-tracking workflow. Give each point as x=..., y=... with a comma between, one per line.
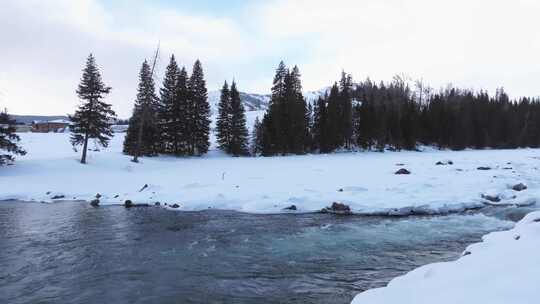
x=92, y=120
x=238, y=144
x=275, y=117
x=286, y=123
x=346, y=119
x=257, y=138
x=181, y=113
x=166, y=110
x=8, y=140
x=173, y=109
x=223, y=123
x=199, y=112
x=143, y=133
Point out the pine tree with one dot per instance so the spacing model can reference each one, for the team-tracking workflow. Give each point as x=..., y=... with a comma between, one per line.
x=346, y=119
x=275, y=118
x=199, y=112
x=310, y=127
x=285, y=125
x=334, y=137
x=257, y=138
x=8, y=140
x=297, y=109
x=173, y=110
x=238, y=131
x=143, y=133
x=181, y=113
x=223, y=123
x=92, y=120
x=168, y=104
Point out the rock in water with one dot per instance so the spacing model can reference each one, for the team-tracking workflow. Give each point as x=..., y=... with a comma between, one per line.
x=94, y=202
x=448, y=162
x=291, y=207
x=128, y=204
x=519, y=187
x=337, y=208
x=175, y=206
x=491, y=198
x=58, y=197
x=402, y=171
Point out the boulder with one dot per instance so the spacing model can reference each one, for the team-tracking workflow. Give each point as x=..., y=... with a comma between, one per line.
x=444, y=163
x=128, y=204
x=291, y=207
x=337, y=208
x=98, y=196
x=157, y=204
x=94, y=202
x=519, y=187
x=491, y=198
x=402, y=171
x=175, y=206
x=340, y=190
x=483, y=168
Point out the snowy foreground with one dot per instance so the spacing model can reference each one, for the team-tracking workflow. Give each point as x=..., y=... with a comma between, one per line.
x=504, y=268
x=365, y=180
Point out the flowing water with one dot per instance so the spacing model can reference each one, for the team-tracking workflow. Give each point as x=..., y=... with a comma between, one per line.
x=70, y=252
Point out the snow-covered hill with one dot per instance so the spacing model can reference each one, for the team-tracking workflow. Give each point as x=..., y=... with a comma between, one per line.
x=259, y=102
x=251, y=101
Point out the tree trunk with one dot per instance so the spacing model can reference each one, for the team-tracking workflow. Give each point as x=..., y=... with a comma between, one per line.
x=85, y=147
x=139, y=139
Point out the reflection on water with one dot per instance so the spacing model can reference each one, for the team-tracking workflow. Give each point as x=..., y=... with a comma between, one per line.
x=71, y=252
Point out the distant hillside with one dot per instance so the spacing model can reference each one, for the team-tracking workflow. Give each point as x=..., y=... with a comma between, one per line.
x=28, y=119
x=252, y=102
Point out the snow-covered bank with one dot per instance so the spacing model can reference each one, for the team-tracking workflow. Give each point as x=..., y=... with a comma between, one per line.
x=504, y=268
x=365, y=181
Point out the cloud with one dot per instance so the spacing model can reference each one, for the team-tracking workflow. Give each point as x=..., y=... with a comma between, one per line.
x=478, y=44
x=481, y=43
x=49, y=41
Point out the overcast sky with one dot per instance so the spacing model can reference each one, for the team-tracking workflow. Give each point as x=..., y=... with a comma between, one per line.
x=470, y=43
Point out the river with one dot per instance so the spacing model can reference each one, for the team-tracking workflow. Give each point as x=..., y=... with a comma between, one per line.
x=70, y=252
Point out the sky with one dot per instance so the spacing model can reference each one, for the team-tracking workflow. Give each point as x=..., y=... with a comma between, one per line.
x=477, y=44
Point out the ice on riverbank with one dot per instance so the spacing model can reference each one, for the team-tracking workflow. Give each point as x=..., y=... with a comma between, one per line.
x=365, y=181
x=504, y=269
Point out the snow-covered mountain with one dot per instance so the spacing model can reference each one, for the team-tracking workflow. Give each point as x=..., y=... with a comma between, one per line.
x=251, y=101
x=312, y=96
x=259, y=102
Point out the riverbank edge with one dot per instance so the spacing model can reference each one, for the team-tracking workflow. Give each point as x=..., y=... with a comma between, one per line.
x=421, y=284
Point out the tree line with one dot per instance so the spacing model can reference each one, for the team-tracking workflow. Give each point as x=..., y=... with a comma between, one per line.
x=348, y=116
x=391, y=116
